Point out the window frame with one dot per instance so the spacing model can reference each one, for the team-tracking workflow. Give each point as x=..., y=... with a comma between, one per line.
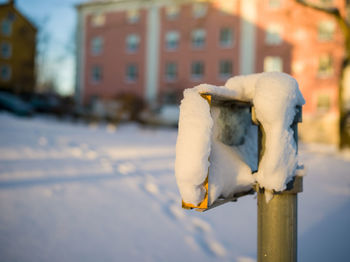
x=197, y=66
x=199, y=10
x=171, y=73
x=323, y=102
x=172, y=12
x=223, y=42
x=326, y=34
x=98, y=19
x=273, y=59
x=97, y=44
x=9, y=48
x=9, y=72
x=198, y=38
x=325, y=71
x=6, y=27
x=224, y=64
x=133, y=77
x=273, y=34
x=132, y=42
x=172, y=40
x=96, y=74
x=274, y=4
x=133, y=16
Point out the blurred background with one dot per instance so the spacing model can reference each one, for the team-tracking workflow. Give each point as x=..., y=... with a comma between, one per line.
x=89, y=95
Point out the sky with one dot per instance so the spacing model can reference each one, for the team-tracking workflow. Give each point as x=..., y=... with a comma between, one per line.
x=56, y=20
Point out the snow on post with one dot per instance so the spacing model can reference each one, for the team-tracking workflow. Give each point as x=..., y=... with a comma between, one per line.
x=201, y=151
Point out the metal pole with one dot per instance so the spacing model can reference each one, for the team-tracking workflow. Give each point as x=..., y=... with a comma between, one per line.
x=277, y=225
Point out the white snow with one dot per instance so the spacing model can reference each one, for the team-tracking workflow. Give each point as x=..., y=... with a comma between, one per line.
x=61, y=206
x=275, y=99
x=193, y=146
x=200, y=145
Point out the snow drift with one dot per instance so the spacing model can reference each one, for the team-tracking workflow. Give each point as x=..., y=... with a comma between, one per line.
x=200, y=149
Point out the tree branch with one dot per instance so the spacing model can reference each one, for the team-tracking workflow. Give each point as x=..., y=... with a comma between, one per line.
x=329, y=10
x=342, y=22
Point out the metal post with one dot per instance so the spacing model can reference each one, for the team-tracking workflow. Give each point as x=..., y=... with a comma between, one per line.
x=277, y=225
x=277, y=220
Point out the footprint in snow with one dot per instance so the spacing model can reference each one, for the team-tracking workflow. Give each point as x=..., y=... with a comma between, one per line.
x=91, y=154
x=105, y=163
x=215, y=247
x=177, y=211
x=111, y=128
x=126, y=168
x=245, y=259
x=42, y=141
x=192, y=243
x=205, y=239
x=174, y=211
x=151, y=188
x=84, y=146
x=209, y=245
x=76, y=152
x=200, y=225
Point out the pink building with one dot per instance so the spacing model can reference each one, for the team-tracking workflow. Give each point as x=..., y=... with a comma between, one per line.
x=155, y=49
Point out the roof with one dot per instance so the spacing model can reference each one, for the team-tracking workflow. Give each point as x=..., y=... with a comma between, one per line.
x=27, y=20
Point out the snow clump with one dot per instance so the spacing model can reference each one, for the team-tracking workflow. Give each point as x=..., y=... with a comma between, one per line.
x=229, y=163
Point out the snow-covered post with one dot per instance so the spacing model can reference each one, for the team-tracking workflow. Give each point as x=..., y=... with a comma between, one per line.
x=217, y=153
x=277, y=219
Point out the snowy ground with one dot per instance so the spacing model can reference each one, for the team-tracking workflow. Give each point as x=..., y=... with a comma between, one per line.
x=71, y=192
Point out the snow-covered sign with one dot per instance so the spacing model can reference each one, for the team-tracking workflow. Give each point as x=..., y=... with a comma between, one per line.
x=217, y=145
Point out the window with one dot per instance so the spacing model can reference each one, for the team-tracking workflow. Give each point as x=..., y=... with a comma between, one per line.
x=198, y=38
x=6, y=27
x=98, y=20
x=97, y=45
x=325, y=66
x=273, y=34
x=226, y=37
x=96, y=74
x=226, y=7
x=172, y=40
x=326, y=30
x=273, y=64
x=24, y=30
x=225, y=69
x=172, y=12
x=132, y=43
x=301, y=35
x=5, y=72
x=133, y=16
x=197, y=70
x=199, y=10
x=170, y=71
x=274, y=4
x=298, y=67
x=6, y=50
x=323, y=103
x=131, y=73
x=11, y=16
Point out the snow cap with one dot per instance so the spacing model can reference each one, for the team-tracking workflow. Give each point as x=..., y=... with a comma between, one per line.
x=199, y=151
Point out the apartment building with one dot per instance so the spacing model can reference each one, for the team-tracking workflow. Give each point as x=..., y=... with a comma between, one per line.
x=17, y=50
x=157, y=48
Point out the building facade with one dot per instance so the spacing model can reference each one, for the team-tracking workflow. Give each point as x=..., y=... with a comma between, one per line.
x=17, y=51
x=155, y=49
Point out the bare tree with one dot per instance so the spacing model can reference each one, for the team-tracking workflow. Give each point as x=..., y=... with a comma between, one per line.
x=344, y=25
x=45, y=80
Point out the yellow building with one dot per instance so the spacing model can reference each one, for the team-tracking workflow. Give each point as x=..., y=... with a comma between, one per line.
x=17, y=50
